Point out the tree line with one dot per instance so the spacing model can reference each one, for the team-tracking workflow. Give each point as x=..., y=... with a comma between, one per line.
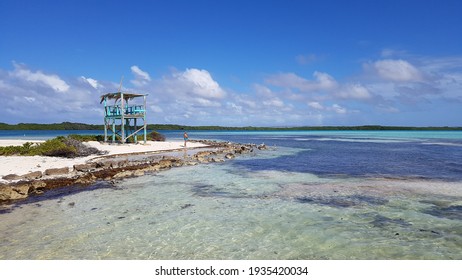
x=83, y=126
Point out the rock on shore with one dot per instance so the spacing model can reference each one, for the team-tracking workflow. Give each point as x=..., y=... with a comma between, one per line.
x=116, y=167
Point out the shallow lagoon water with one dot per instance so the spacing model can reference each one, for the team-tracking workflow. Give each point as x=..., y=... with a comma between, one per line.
x=264, y=206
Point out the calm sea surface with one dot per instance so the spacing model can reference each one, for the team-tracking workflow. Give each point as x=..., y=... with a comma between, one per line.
x=312, y=195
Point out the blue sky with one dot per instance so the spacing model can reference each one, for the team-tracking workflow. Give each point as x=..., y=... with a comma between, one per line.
x=235, y=63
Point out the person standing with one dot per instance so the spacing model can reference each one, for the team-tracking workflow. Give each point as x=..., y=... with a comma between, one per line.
x=186, y=138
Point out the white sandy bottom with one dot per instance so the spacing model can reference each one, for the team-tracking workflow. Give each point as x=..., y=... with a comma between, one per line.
x=219, y=211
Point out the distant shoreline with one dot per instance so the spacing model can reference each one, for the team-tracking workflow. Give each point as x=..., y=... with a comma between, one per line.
x=82, y=126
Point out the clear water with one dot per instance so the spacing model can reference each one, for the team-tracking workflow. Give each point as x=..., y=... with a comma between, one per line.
x=313, y=195
x=43, y=134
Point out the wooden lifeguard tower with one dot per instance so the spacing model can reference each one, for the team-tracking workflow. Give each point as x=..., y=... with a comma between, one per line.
x=124, y=120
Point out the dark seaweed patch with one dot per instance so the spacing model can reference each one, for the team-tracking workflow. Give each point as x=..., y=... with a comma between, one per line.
x=343, y=201
x=430, y=231
x=451, y=212
x=208, y=191
x=437, y=203
x=213, y=191
x=202, y=187
x=7, y=210
x=372, y=200
x=186, y=206
x=333, y=202
x=382, y=221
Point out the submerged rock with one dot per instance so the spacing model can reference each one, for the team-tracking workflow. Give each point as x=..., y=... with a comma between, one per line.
x=262, y=147
x=229, y=156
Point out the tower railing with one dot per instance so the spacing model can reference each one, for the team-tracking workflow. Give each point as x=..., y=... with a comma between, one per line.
x=121, y=120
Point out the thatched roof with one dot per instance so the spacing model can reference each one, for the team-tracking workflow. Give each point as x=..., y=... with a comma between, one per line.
x=117, y=95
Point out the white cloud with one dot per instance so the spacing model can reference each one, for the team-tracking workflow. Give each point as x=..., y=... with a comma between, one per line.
x=142, y=78
x=30, y=96
x=92, y=82
x=200, y=82
x=262, y=90
x=339, y=109
x=274, y=102
x=323, y=81
x=246, y=101
x=397, y=70
x=316, y=105
x=354, y=91
x=52, y=81
x=235, y=107
x=199, y=101
x=156, y=109
x=192, y=96
x=333, y=108
x=140, y=74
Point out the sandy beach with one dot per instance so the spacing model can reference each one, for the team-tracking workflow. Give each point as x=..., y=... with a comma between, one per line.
x=20, y=165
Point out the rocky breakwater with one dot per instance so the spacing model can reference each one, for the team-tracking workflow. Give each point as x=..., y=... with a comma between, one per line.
x=109, y=168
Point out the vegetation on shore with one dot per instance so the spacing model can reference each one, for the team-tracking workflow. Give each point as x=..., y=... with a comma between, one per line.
x=69, y=147
x=82, y=126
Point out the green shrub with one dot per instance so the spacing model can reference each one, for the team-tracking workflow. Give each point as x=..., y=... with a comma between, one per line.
x=54, y=147
x=10, y=150
x=16, y=150
x=86, y=138
x=60, y=146
x=155, y=136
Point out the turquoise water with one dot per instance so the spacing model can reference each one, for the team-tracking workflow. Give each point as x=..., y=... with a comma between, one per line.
x=43, y=134
x=310, y=196
x=47, y=134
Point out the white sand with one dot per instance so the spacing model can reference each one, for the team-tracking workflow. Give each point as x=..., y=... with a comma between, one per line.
x=21, y=165
x=8, y=142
